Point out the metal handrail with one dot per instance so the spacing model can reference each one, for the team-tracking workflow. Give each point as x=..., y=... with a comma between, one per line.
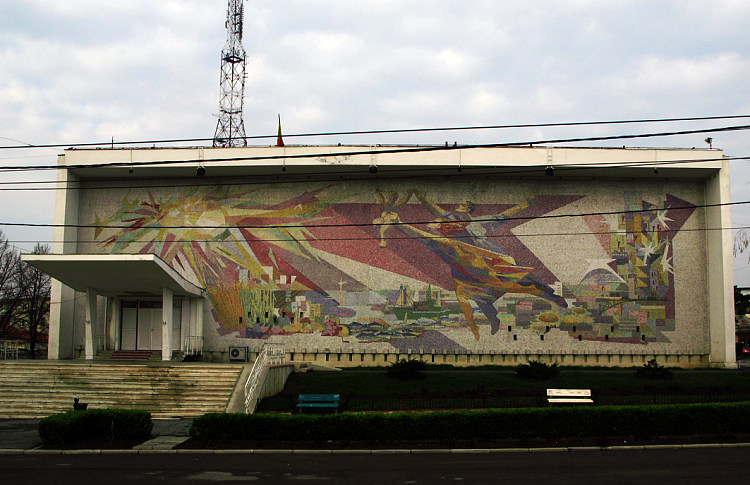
x=276, y=353
x=193, y=345
x=9, y=349
x=271, y=354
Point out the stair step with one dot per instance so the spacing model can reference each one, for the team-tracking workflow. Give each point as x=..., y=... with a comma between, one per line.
x=132, y=355
x=38, y=389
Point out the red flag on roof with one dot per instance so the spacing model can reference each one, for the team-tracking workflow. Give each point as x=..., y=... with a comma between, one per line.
x=279, y=140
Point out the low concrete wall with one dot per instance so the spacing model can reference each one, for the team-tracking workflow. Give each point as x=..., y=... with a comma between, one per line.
x=355, y=358
x=276, y=379
x=274, y=384
x=345, y=358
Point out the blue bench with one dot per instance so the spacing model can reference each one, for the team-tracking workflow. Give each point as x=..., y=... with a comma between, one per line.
x=318, y=402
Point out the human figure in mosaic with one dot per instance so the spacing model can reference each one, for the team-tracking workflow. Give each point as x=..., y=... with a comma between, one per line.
x=391, y=205
x=482, y=272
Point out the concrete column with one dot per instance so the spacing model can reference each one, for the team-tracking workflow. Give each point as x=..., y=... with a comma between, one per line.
x=114, y=322
x=720, y=271
x=185, y=322
x=191, y=323
x=106, y=324
x=91, y=314
x=166, y=324
x=199, y=318
x=62, y=309
x=61, y=321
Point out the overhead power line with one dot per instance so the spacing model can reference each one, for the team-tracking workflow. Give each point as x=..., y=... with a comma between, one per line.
x=379, y=132
x=395, y=150
x=356, y=174
x=373, y=224
x=392, y=238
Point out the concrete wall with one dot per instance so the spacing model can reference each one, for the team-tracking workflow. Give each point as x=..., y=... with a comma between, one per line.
x=352, y=358
x=382, y=266
x=276, y=379
x=274, y=384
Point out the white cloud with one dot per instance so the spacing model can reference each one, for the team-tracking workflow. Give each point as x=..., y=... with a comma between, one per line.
x=456, y=62
x=87, y=70
x=658, y=73
x=486, y=103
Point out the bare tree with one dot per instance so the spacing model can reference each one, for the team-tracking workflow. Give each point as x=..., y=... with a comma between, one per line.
x=741, y=241
x=9, y=287
x=34, y=293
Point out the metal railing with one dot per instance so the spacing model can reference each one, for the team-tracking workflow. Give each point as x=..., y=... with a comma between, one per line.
x=9, y=349
x=193, y=345
x=272, y=354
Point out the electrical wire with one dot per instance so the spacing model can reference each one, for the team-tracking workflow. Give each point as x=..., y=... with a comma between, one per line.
x=374, y=224
x=416, y=149
x=436, y=148
x=112, y=143
x=25, y=145
x=390, y=174
x=28, y=156
x=395, y=238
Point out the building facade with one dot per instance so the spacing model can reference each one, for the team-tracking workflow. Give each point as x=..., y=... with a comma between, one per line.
x=361, y=255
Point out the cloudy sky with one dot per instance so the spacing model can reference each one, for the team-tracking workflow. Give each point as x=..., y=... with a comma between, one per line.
x=78, y=71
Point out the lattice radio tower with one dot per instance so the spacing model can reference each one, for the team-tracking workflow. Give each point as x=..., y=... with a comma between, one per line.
x=230, y=131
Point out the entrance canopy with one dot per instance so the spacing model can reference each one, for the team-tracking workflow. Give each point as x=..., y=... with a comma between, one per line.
x=114, y=274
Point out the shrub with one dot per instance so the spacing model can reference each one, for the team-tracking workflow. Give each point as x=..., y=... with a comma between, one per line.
x=536, y=370
x=95, y=424
x=652, y=370
x=407, y=369
x=558, y=422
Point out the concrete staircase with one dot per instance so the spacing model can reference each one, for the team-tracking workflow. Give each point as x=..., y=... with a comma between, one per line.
x=129, y=355
x=35, y=389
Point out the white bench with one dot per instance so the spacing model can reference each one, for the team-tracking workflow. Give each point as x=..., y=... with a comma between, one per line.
x=569, y=396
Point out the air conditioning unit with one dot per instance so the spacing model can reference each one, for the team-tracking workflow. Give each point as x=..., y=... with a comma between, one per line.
x=237, y=354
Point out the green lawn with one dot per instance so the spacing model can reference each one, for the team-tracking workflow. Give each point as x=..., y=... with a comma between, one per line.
x=446, y=387
x=370, y=382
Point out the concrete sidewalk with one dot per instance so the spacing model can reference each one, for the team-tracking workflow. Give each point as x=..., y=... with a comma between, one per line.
x=23, y=434
x=20, y=436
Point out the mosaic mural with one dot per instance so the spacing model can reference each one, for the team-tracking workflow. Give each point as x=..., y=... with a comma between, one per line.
x=388, y=266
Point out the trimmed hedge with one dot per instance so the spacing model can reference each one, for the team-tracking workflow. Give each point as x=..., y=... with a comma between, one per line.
x=559, y=422
x=95, y=424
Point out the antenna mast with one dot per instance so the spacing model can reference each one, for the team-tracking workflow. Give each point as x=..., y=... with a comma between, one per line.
x=230, y=131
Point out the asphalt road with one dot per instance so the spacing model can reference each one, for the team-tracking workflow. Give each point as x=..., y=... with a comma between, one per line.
x=657, y=466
